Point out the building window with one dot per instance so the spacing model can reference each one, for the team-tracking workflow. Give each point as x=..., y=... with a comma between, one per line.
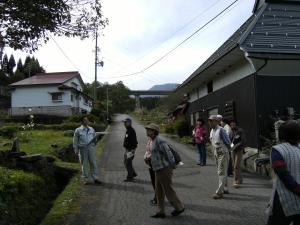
x=72, y=98
x=209, y=86
x=56, y=97
x=86, y=101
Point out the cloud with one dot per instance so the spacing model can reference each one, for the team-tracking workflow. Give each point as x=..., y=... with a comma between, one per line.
x=139, y=33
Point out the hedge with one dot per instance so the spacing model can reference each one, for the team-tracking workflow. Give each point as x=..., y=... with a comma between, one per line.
x=67, y=126
x=8, y=130
x=24, y=198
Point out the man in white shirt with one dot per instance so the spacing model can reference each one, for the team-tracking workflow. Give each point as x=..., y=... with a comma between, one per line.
x=84, y=144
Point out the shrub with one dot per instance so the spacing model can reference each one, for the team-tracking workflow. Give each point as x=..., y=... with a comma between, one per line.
x=8, y=130
x=77, y=118
x=23, y=197
x=68, y=126
x=181, y=127
x=169, y=128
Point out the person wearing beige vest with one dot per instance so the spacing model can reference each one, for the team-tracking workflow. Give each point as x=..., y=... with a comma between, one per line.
x=220, y=144
x=285, y=159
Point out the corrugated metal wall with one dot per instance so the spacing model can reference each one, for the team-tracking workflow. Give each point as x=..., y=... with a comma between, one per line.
x=276, y=93
x=241, y=95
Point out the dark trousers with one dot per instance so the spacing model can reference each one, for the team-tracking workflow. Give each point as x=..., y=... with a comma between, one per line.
x=202, y=153
x=230, y=167
x=129, y=167
x=278, y=217
x=152, y=176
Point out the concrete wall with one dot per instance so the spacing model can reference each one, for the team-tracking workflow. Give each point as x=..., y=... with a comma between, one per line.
x=39, y=98
x=62, y=110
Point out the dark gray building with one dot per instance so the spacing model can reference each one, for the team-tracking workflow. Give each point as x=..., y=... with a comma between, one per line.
x=255, y=73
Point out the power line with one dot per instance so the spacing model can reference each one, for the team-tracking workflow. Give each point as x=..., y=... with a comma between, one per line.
x=177, y=46
x=172, y=35
x=67, y=57
x=143, y=75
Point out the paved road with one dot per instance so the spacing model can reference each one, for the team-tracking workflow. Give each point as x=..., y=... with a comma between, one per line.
x=119, y=203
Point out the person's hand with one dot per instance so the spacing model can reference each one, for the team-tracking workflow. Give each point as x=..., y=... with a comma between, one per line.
x=147, y=161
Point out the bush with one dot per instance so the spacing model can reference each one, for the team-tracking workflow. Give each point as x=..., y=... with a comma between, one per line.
x=181, y=127
x=169, y=128
x=8, y=130
x=77, y=118
x=68, y=126
x=23, y=197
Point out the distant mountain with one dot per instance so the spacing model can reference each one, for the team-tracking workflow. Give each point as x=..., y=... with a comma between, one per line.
x=165, y=87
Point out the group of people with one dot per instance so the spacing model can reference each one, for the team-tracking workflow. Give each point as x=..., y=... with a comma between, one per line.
x=228, y=143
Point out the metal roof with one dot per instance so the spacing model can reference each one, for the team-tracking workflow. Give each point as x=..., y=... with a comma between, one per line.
x=228, y=46
x=277, y=30
x=48, y=78
x=274, y=28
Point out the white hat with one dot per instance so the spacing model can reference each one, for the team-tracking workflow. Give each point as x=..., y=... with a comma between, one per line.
x=219, y=117
x=213, y=117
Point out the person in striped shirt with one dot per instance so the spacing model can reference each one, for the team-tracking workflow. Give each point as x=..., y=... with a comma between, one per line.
x=285, y=159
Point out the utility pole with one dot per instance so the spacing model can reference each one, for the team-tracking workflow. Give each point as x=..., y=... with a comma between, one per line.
x=107, y=103
x=96, y=65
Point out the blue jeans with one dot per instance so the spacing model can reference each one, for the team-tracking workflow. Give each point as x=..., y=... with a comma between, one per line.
x=202, y=153
x=88, y=163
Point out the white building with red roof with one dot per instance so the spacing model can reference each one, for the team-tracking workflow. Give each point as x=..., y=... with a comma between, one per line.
x=50, y=94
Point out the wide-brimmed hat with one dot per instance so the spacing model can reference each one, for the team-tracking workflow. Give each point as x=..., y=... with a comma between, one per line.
x=213, y=117
x=152, y=126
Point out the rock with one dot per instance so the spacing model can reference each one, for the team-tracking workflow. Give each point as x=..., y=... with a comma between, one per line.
x=31, y=158
x=15, y=154
x=50, y=159
x=69, y=133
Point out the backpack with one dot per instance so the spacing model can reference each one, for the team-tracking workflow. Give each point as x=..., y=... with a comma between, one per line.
x=176, y=155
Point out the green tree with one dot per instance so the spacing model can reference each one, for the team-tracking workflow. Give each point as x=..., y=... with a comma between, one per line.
x=32, y=67
x=4, y=63
x=11, y=65
x=118, y=100
x=20, y=66
x=19, y=73
x=25, y=24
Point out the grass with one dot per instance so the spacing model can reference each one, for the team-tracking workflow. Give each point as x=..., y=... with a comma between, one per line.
x=67, y=202
x=37, y=141
x=40, y=141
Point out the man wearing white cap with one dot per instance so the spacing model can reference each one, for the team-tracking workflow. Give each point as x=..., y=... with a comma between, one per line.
x=221, y=144
x=227, y=128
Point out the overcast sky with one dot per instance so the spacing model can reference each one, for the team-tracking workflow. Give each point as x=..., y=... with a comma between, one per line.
x=139, y=33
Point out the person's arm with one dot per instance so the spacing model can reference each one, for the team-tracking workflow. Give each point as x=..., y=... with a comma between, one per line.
x=241, y=142
x=75, y=141
x=280, y=168
x=205, y=134
x=224, y=137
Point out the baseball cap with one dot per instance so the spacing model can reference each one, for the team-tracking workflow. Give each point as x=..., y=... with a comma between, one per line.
x=127, y=120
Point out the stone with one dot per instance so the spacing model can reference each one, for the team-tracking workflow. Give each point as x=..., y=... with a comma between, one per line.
x=31, y=158
x=69, y=133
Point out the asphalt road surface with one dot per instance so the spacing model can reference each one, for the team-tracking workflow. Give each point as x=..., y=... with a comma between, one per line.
x=119, y=203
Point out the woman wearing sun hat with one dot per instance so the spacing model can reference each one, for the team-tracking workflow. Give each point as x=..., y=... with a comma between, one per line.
x=162, y=161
